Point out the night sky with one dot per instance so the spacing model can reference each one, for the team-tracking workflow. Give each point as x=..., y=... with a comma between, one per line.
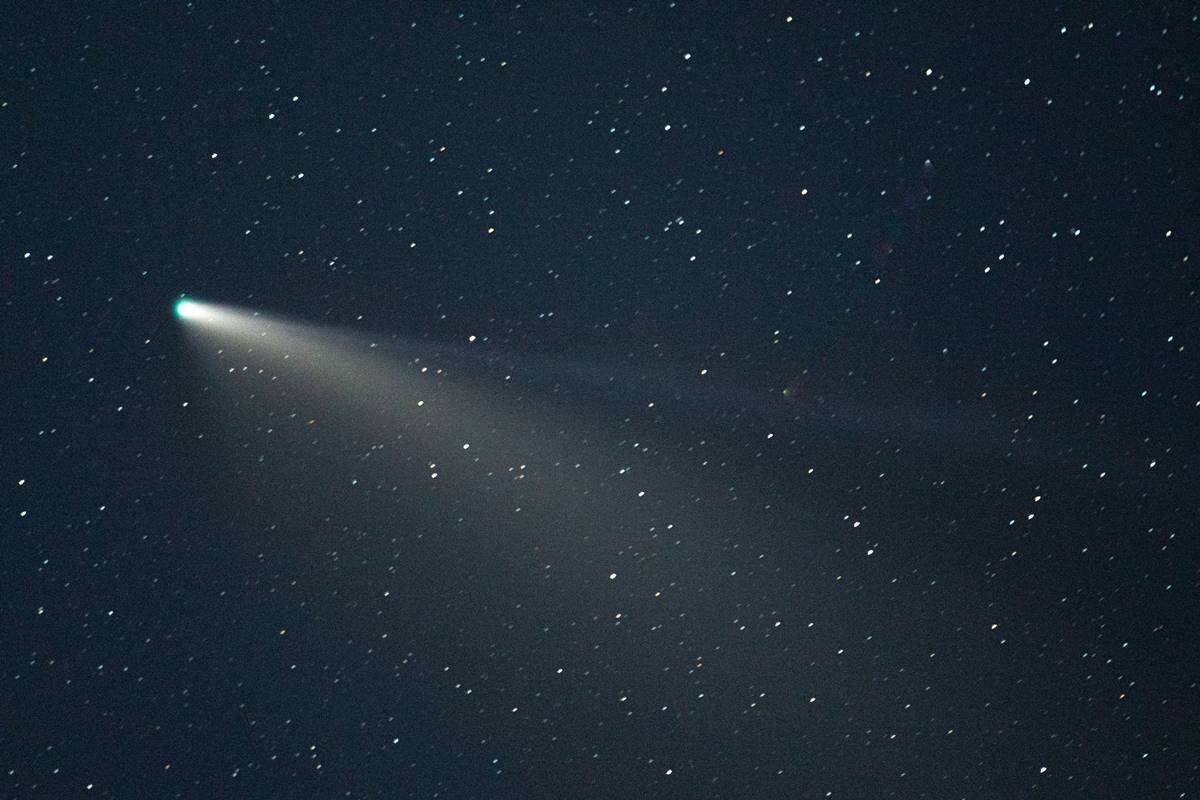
x=687, y=401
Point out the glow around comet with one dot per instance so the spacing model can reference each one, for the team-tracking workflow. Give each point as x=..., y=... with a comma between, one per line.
x=187, y=309
x=193, y=311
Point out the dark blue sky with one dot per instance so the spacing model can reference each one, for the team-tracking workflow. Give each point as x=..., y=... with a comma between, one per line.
x=828, y=373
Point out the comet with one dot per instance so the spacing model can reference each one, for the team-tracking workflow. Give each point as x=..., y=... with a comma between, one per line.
x=525, y=388
x=188, y=309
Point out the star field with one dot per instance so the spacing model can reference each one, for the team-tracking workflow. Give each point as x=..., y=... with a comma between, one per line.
x=653, y=400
